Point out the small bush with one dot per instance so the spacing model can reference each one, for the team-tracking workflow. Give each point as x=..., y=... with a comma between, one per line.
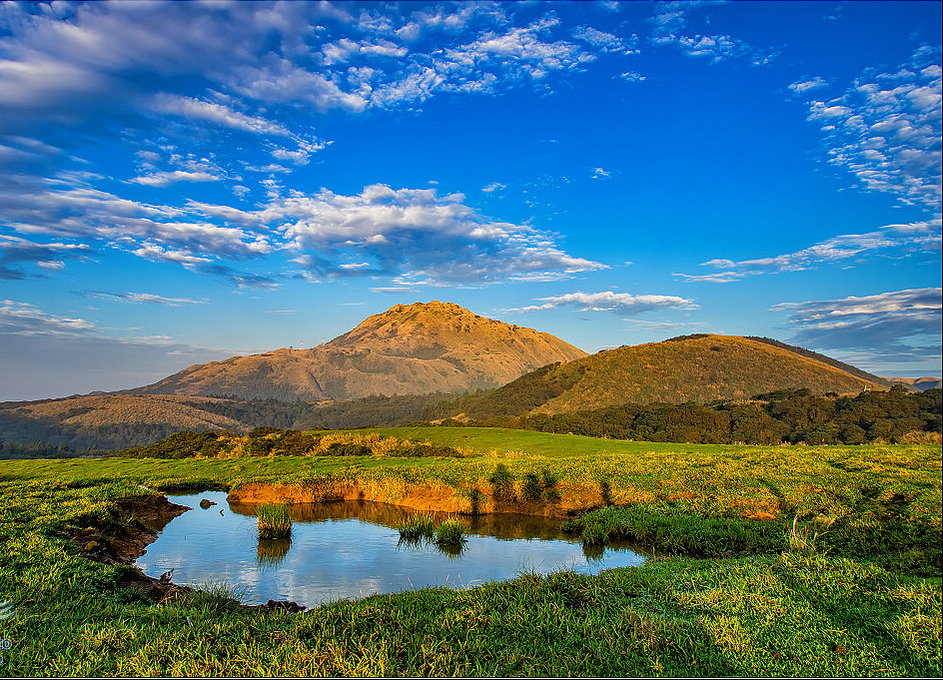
x=502, y=482
x=531, y=489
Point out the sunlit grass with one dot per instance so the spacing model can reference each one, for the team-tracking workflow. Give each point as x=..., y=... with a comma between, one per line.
x=847, y=604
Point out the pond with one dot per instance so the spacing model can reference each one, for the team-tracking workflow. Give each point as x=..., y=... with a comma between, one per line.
x=352, y=549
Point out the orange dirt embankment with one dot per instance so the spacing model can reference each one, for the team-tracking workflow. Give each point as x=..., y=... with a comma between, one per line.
x=417, y=496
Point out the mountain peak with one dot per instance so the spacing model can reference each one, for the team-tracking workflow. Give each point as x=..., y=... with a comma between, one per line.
x=408, y=349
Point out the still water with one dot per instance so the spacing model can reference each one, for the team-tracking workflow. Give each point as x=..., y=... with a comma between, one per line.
x=351, y=549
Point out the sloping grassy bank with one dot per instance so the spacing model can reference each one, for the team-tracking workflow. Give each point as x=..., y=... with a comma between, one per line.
x=789, y=615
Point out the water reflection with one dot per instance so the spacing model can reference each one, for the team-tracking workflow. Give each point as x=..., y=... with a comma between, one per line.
x=352, y=549
x=271, y=551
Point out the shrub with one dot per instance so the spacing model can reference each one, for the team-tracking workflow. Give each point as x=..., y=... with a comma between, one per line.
x=531, y=489
x=502, y=482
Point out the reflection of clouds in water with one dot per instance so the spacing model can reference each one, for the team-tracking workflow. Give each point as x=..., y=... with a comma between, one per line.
x=348, y=558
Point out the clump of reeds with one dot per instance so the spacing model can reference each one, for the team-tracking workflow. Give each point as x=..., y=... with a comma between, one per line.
x=418, y=528
x=274, y=521
x=449, y=533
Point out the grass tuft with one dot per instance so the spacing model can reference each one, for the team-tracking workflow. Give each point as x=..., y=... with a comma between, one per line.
x=418, y=528
x=449, y=533
x=274, y=521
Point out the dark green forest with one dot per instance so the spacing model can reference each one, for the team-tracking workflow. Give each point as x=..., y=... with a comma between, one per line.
x=791, y=416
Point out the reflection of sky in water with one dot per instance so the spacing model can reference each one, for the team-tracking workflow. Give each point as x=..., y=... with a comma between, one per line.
x=331, y=559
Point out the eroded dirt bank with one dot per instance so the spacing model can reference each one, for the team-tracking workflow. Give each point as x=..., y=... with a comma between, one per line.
x=125, y=536
x=416, y=496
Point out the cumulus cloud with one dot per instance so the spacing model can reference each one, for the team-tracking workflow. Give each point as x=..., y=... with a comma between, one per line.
x=901, y=325
x=609, y=301
x=415, y=234
x=885, y=130
x=606, y=42
x=902, y=239
x=803, y=86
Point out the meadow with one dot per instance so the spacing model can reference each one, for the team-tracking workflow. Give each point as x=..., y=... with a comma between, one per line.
x=769, y=561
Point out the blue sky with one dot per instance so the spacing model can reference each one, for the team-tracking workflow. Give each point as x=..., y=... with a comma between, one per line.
x=186, y=181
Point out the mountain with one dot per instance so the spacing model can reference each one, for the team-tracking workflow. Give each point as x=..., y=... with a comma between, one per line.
x=408, y=349
x=700, y=368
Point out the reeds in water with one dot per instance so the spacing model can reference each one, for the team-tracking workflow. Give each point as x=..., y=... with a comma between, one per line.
x=418, y=528
x=449, y=533
x=274, y=521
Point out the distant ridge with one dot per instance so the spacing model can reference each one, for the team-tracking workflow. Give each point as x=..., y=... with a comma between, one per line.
x=700, y=368
x=921, y=384
x=408, y=349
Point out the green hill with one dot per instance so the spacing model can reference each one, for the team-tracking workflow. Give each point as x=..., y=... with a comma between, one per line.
x=701, y=368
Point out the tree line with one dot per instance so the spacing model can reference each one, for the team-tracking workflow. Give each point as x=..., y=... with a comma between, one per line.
x=786, y=416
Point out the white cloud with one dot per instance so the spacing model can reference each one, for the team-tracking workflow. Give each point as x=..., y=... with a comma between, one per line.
x=493, y=186
x=901, y=325
x=415, y=234
x=16, y=251
x=902, y=238
x=802, y=86
x=606, y=42
x=215, y=113
x=609, y=301
x=885, y=130
x=670, y=22
x=599, y=173
x=632, y=77
x=23, y=318
x=160, y=179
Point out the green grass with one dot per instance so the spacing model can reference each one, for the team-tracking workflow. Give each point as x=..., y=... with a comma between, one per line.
x=449, y=533
x=274, y=522
x=837, y=607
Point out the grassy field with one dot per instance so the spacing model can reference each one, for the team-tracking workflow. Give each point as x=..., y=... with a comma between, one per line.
x=862, y=599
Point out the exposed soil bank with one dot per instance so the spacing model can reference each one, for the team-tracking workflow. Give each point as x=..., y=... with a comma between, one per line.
x=422, y=496
x=126, y=537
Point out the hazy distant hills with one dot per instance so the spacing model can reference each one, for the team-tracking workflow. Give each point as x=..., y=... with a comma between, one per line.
x=409, y=349
x=112, y=420
x=699, y=368
x=921, y=384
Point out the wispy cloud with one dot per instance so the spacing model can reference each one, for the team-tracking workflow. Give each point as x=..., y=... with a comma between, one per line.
x=15, y=252
x=160, y=179
x=901, y=325
x=899, y=238
x=23, y=318
x=609, y=301
x=670, y=29
x=139, y=298
x=885, y=129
